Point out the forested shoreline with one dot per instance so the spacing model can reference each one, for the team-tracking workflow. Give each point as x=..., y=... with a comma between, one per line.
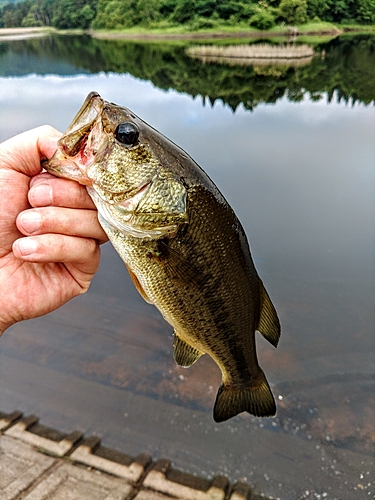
x=193, y=15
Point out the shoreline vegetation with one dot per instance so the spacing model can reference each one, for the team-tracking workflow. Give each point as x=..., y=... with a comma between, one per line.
x=190, y=19
x=140, y=33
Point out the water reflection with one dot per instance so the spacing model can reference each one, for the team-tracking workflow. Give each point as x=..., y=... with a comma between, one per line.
x=343, y=67
x=300, y=177
x=264, y=54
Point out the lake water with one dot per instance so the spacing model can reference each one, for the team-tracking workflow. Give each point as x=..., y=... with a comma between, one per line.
x=292, y=147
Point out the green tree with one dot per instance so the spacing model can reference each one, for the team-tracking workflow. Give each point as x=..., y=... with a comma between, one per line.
x=234, y=9
x=262, y=18
x=293, y=11
x=318, y=8
x=43, y=10
x=115, y=14
x=12, y=14
x=74, y=14
x=166, y=7
x=10, y=19
x=184, y=11
x=30, y=20
x=366, y=11
x=148, y=12
x=205, y=8
x=341, y=10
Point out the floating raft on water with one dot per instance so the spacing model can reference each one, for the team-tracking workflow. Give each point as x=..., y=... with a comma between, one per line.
x=254, y=55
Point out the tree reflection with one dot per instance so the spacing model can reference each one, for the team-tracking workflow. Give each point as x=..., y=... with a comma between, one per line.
x=343, y=67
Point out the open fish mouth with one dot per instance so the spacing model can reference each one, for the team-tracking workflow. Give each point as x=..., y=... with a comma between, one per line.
x=68, y=169
x=72, y=160
x=79, y=146
x=78, y=137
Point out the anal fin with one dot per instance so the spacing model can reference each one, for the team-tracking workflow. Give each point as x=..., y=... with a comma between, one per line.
x=269, y=325
x=184, y=354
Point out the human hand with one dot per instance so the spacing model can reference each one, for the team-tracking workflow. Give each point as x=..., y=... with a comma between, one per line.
x=49, y=231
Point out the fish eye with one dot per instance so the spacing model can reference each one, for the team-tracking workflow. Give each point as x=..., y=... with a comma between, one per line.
x=127, y=133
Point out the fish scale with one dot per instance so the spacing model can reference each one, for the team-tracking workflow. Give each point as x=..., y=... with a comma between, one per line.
x=183, y=245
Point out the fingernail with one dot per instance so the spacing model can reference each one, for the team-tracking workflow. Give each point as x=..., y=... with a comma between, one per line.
x=30, y=221
x=41, y=195
x=26, y=246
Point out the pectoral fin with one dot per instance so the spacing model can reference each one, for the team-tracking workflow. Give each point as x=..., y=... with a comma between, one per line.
x=269, y=325
x=138, y=286
x=184, y=354
x=177, y=268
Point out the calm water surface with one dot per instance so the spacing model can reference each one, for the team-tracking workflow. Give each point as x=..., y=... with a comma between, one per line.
x=293, y=151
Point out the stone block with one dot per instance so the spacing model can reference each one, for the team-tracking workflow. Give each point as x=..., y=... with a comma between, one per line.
x=20, y=466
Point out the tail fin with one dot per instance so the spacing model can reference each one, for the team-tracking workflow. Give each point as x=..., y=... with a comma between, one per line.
x=256, y=399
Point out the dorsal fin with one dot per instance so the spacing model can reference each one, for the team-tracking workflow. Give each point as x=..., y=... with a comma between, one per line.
x=269, y=325
x=184, y=354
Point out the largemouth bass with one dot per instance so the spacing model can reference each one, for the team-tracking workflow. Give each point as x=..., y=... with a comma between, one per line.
x=184, y=247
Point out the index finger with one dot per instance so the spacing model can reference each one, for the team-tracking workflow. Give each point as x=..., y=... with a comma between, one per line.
x=46, y=190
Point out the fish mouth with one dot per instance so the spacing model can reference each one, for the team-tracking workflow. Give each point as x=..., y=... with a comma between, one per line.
x=67, y=169
x=81, y=143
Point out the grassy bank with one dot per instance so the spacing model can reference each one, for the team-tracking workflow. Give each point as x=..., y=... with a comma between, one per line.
x=165, y=32
x=353, y=28
x=218, y=31
x=238, y=31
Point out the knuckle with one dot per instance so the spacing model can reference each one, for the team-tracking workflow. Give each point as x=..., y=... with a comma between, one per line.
x=93, y=246
x=83, y=196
